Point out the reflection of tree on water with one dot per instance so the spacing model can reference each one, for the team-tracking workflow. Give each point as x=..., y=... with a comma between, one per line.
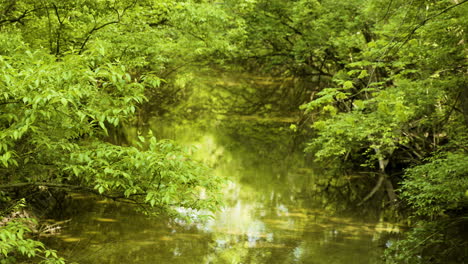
x=296, y=215
x=278, y=210
x=268, y=147
x=106, y=232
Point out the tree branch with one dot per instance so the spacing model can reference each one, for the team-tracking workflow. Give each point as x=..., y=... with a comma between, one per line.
x=18, y=19
x=10, y=102
x=96, y=27
x=375, y=189
x=421, y=24
x=70, y=187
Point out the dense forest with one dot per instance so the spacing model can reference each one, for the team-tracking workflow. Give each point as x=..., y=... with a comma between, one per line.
x=376, y=86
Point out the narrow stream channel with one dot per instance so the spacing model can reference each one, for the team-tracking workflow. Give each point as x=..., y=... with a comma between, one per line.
x=269, y=217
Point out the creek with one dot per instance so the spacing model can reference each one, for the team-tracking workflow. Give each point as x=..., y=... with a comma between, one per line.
x=272, y=213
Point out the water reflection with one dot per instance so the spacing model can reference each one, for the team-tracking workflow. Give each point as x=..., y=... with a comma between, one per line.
x=267, y=219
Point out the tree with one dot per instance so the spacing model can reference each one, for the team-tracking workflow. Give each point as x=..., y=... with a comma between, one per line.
x=396, y=103
x=386, y=85
x=65, y=90
x=437, y=192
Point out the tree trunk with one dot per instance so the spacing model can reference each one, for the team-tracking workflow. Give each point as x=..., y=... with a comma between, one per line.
x=383, y=178
x=464, y=102
x=390, y=191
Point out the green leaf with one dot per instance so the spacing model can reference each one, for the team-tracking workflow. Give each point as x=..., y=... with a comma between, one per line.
x=348, y=85
x=103, y=126
x=363, y=74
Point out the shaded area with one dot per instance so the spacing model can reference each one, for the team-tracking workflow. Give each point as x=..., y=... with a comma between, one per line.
x=269, y=217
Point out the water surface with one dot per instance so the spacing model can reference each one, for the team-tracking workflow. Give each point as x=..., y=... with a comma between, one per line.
x=271, y=215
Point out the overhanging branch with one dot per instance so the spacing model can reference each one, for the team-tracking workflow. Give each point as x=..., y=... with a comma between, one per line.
x=71, y=187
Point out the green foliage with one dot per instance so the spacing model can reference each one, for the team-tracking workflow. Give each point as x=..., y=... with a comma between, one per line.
x=49, y=106
x=438, y=187
x=391, y=103
x=73, y=74
x=56, y=116
x=14, y=245
x=380, y=85
x=436, y=190
x=169, y=39
x=438, y=242
x=163, y=176
x=382, y=98
x=15, y=241
x=385, y=85
x=57, y=113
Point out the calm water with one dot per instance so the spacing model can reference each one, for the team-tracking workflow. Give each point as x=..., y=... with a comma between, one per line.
x=270, y=216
